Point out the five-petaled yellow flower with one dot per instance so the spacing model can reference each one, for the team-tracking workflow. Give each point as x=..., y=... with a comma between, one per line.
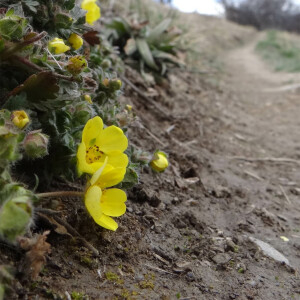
x=75, y=41
x=20, y=118
x=93, y=11
x=58, y=46
x=159, y=162
x=98, y=143
x=102, y=203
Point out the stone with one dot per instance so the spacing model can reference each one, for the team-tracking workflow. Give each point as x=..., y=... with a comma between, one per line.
x=269, y=251
x=221, y=258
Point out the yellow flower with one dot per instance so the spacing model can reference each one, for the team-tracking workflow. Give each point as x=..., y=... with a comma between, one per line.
x=102, y=203
x=76, y=41
x=93, y=11
x=20, y=118
x=98, y=143
x=159, y=162
x=88, y=99
x=58, y=46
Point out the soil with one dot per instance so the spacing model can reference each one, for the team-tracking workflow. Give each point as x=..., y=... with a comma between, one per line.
x=188, y=232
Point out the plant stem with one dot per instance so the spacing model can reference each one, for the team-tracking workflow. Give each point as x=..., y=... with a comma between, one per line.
x=21, y=45
x=60, y=194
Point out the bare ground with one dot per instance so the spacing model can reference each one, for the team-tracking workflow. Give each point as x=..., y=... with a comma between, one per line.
x=186, y=234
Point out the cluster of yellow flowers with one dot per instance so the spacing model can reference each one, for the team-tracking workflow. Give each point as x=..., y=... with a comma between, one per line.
x=100, y=154
x=58, y=45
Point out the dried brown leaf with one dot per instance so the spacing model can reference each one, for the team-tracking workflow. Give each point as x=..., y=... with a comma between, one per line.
x=37, y=248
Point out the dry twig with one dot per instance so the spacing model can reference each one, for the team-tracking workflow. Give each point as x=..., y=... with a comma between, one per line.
x=267, y=159
x=285, y=195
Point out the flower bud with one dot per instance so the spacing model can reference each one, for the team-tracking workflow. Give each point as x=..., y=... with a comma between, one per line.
x=88, y=99
x=36, y=144
x=159, y=161
x=76, y=64
x=105, y=82
x=106, y=63
x=58, y=46
x=20, y=118
x=128, y=107
x=115, y=84
x=76, y=41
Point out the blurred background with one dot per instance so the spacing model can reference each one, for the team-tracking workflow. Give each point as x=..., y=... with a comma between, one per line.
x=262, y=14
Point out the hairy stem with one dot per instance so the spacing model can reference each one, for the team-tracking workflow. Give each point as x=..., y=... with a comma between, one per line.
x=60, y=194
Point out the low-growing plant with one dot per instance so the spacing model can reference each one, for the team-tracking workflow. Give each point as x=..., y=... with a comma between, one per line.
x=146, y=47
x=60, y=116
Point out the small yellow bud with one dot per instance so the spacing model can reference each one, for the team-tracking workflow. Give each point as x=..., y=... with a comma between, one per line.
x=88, y=99
x=105, y=82
x=159, y=162
x=129, y=107
x=76, y=41
x=58, y=46
x=76, y=64
x=20, y=118
x=93, y=11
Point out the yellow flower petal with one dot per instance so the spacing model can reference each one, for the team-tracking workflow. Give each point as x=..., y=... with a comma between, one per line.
x=82, y=165
x=92, y=203
x=112, y=202
x=117, y=159
x=58, y=46
x=93, y=11
x=110, y=176
x=91, y=131
x=76, y=41
x=111, y=139
x=107, y=222
x=98, y=173
x=20, y=118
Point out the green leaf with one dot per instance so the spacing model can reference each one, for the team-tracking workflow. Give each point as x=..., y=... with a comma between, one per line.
x=130, y=47
x=63, y=21
x=145, y=53
x=10, y=29
x=38, y=87
x=17, y=102
x=156, y=32
x=10, y=12
x=15, y=213
x=69, y=4
x=31, y=4
x=167, y=57
x=131, y=178
x=121, y=26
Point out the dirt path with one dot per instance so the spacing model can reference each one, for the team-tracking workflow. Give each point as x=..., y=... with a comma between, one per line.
x=260, y=113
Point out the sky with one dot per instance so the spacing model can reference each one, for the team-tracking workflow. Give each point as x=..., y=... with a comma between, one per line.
x=208, y=7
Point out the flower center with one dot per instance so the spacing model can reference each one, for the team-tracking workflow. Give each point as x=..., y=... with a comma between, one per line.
x=93, y=154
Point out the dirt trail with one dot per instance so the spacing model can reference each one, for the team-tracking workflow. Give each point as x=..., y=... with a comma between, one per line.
x=260, y=112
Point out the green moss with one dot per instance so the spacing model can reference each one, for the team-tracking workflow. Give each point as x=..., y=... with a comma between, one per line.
x=146, y=284
x=86, y=260
x=178, y=295
x=113, y=277
x=236, y=249
x=241, y=270
x=77, y=296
